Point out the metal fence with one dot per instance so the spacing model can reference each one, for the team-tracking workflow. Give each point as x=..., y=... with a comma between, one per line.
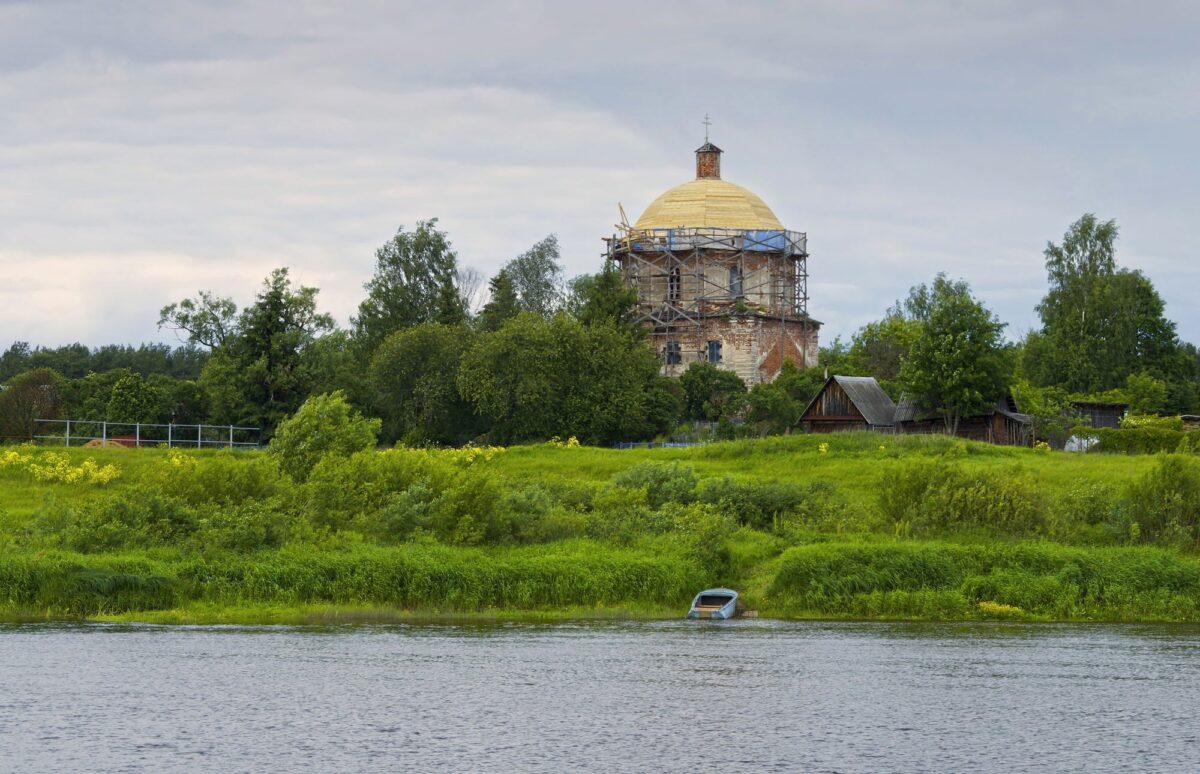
x=79, y=432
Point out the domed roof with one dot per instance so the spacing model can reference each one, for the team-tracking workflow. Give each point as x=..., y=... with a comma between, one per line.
x=709, y=202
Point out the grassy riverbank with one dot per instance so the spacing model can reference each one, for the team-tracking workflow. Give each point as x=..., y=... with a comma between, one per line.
x=849, y=526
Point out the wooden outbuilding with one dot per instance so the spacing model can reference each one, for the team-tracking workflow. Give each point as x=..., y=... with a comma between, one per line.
x=1002, y=424
x=1100, y=413
x=849, y=403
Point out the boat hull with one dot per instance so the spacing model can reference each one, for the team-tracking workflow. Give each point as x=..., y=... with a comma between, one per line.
x=716, y=604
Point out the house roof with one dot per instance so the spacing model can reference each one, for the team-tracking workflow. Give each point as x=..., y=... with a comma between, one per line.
x=867, y=396
x=906, y=410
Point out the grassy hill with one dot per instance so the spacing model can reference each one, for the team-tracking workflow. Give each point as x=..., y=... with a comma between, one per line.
x=853, y=525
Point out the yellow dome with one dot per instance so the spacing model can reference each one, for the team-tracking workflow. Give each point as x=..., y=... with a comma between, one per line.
x=709, y=202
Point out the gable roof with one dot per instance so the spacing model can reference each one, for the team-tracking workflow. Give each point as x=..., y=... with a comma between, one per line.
x=906, y=410
x=867, y=396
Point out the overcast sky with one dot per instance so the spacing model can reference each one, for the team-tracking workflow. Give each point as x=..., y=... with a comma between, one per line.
x=149, y=150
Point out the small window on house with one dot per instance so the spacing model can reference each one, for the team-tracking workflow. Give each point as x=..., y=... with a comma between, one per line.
x=735, y=281
x=673, y=354
x=673, y=280
x=714, y=352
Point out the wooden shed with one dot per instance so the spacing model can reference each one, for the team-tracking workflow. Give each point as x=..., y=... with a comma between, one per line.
x=1099, y=413
x=849, y=403
x=1001, y=424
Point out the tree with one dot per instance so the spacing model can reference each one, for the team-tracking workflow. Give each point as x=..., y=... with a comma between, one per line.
x=468, y=280
x=537, y=277
x=412, y=271
x=536, y=378
x=711, y=393
x=450, y=307
x=413, y=374
x=958, y=365
x=503, y=304
x=133, y=400
x=776, y=406
x=15, y=360
x=27, y=398
x=879, y=348
x=273, y=333
x=324, y=424
x=603, y=298
x=1100, y=323
x=206, y=319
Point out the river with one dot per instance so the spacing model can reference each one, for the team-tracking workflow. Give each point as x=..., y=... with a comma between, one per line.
x=672, y=696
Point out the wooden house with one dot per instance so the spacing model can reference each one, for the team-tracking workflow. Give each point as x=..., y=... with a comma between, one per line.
x=1099, y=413
x=1002, y=424
x=1191, y=422
x=849, y=403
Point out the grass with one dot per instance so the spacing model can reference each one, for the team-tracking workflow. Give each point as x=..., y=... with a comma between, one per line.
x=577, y=545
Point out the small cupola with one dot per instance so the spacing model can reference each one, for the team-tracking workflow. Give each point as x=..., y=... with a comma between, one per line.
x=708, y=161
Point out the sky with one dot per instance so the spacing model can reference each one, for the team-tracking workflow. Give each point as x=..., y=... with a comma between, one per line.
x=149, y=150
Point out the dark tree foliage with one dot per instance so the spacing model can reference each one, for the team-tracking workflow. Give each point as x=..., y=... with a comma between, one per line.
x=537, y=277
x=502, y=306
x=1100, y=323
x=711, y=393
x=534, y=379
x=76, y=360
x=958, y=365
x=412, y=272
x=207, y=319
x=414, y=375
x=29, y=397
x=603, y=298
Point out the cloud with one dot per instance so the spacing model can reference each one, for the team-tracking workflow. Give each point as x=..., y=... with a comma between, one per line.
x=152, y=150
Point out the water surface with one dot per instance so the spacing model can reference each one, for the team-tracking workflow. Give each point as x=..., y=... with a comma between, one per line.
x=730, y=696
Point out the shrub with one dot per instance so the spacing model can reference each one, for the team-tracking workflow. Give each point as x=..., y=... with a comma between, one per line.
x=136, y=517
x=325, y=424
x=663, y=482
x=1136, y=440
x=934, y=496
x=224, y=477
x=1165, y=502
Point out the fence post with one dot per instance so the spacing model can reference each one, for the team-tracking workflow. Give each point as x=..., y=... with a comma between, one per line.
x=68, y=432
x=199, y=432
x=104, y=433
x=169, y=427
x=137, y=435
x=231, y=436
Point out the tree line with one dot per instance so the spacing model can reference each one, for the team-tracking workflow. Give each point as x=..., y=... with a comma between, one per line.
x=544, y=357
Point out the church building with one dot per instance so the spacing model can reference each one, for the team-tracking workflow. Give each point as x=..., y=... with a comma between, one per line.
x=718, y=278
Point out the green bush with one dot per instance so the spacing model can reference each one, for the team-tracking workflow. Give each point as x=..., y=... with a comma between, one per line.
x=938, y=579
x=136, y=517
x=226, y=477
x=1138, y=440
x=664, y=482
x=1164, y=504
x=931, y=497
x=324, y=424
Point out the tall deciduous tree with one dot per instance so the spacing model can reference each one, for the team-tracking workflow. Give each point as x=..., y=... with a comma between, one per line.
x=1100, y=323
x=27, y=398
x=958, y=365
x=535, y=378
x=413, y=374
x=206, y=319
x=411, y=272
x=537, y=277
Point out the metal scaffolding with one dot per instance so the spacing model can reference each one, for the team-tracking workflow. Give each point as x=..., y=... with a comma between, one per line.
x=685, y=277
